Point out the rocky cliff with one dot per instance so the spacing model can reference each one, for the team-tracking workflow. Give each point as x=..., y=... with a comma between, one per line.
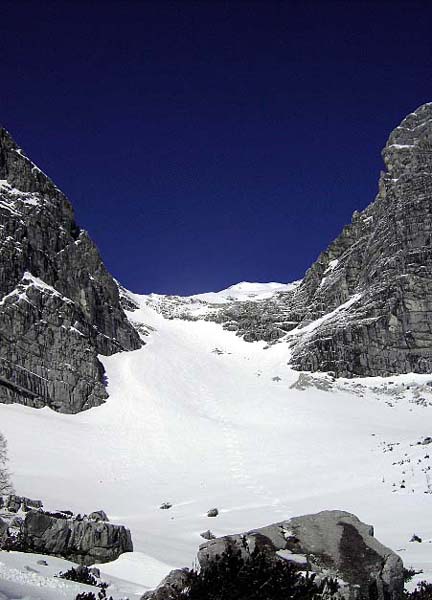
x=365, y=307
x=59, y=306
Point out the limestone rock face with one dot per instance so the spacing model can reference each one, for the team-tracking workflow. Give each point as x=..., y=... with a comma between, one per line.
x=364, y=308
x=26, y=527
x=331, y=543
x=85, y=542
x=59, y=306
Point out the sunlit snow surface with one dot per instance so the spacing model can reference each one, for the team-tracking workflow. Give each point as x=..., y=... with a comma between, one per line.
x=246, y=291
x=199, y=305
x=202, y=428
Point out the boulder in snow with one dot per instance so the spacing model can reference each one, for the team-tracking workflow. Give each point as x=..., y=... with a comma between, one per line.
x=174, y=581
x=98, y=515
x=333, y=543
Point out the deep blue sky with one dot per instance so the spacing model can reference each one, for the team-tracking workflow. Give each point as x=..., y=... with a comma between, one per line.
x=204, y=143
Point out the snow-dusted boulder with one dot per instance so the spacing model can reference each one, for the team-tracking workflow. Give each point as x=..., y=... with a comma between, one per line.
x=176, y=580
x=98, y=515
x=333, y=543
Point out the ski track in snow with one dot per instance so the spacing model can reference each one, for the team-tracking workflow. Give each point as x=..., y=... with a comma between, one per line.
x=204, y=429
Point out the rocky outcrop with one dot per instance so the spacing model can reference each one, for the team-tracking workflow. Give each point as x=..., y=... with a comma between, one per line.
x=59, y=306
x=82, y=541
x=26, y=527
x=364, y=308
x=170, y=586
x=332, y=543
x=13, y=504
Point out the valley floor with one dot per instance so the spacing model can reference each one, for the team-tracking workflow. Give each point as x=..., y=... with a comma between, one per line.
x=201, y=419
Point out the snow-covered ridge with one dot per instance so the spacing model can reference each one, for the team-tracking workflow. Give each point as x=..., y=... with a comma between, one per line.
x=238, y=292
x=246, y=291
x=199, y=305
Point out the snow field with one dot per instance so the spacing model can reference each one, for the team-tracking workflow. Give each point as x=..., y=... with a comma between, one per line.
x=203, y=429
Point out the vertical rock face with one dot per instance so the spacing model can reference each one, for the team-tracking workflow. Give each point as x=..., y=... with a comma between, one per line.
x=372, y=288
x=381, y=265
x=59, y=306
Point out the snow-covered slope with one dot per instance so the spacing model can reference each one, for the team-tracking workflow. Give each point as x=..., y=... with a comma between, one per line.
x=246, y=290
x=35, y=576
x=202, y=305
x=200, y=418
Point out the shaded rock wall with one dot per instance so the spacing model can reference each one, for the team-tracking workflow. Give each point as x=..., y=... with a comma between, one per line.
x=59, y=306
x=372, y=287
x=384, y=257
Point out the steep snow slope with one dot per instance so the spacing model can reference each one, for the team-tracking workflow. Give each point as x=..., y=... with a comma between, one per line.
x=199, y=418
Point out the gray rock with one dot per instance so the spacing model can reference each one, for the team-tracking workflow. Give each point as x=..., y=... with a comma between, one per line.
x=306, y=381
x=213, y=512
x=373, y=283
x=333, y=543
x=175, y=580
x=16, y=522
x=4, y=530
x=60, y=307
x=13, y=503
x=427, y=440
x=95, y=571
x=85, y=542
x=208, y=535
x=42, y=562
x=98, y=515
x=29, y=504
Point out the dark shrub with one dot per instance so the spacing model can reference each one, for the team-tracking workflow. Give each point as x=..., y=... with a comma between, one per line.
x=423, y=591
x=80, y=575
x=409, y=573
x=259, y=576
x=83, y=575
x=90, y=596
